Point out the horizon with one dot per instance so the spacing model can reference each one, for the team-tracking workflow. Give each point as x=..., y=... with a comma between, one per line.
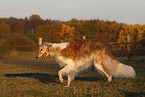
x=68, y=20
x=121, y=11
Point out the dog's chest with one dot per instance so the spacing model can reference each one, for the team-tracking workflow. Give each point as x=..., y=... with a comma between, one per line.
x=63, y=62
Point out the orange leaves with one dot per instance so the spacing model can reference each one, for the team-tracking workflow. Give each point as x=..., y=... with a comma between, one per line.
x=67, y=33
x=135, y=31
x=4, y=30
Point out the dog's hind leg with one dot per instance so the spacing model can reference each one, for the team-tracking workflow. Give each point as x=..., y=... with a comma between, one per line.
x=101, y=68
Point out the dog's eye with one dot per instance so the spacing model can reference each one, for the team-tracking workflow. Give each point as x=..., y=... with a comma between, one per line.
x=41, y=49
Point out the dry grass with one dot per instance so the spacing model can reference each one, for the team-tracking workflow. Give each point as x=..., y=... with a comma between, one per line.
x=38, y=78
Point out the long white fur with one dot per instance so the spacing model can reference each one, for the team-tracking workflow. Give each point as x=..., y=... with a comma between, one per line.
x=72, y=67
x=118, y=69
x=124, y=71
x=62, y=62
x=61, y=45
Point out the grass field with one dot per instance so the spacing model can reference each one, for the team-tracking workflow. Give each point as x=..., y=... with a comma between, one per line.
x=29, y=77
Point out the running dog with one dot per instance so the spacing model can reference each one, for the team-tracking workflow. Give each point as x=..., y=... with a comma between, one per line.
x=77, y=56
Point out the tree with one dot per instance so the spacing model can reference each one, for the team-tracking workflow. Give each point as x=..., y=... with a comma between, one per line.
x=141, y=32
x=35, y=21
x=4, y=30
x=104, y=30
x=67, y=33
x=43, y=31
x=54, y=33
x=90, y=27
x=16, y=25
x=114, y=29
x=135, y=32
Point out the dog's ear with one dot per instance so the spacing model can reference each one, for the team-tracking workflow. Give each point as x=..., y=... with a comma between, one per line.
x=48, y=45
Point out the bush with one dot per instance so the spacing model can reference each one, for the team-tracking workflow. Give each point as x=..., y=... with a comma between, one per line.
x=3, y=43
x=33, y=36
x=17, y=40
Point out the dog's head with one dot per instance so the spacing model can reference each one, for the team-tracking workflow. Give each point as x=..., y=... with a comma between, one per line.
x=44, y=50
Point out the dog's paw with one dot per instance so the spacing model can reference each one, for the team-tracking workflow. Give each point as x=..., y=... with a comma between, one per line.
x=61, y=80
x=66, y=85
x=109, y=78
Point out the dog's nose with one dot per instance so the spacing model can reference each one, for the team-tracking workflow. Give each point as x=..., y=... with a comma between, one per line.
x=37, y=57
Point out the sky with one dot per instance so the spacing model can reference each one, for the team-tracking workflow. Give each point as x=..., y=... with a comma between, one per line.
x=121, y=11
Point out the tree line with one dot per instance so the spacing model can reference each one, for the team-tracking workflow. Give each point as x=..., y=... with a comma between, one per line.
x=60, y=31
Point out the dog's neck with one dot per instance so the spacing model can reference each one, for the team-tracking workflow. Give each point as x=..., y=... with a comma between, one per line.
x=57, y=48
x=55, y=51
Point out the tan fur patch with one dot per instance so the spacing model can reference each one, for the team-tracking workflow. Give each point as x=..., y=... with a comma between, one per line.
x=84, y=48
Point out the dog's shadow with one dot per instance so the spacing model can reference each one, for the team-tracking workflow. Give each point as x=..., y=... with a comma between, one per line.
x=44, y=78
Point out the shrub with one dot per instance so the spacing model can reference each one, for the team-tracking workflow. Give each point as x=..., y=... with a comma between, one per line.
x=33, y=36
x=17, y=40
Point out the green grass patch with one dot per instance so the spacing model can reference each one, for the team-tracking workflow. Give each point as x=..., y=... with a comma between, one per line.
x=29, y=77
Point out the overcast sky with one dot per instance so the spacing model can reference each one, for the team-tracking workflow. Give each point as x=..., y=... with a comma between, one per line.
x=122, y=11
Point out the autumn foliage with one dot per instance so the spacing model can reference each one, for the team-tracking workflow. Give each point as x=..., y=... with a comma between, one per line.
x=59, y=31
x=67, y=33
x=136, y=33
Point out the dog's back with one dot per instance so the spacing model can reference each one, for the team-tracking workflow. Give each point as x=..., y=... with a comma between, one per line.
x=84, y=48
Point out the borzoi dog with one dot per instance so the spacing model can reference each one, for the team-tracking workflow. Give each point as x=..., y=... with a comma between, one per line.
x=77, y=56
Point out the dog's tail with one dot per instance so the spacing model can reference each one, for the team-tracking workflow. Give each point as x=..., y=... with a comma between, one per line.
x=117, y=69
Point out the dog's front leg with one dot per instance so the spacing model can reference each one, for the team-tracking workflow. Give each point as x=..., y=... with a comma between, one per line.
x=69, y=80
x=66, y=71
x=60, y=76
